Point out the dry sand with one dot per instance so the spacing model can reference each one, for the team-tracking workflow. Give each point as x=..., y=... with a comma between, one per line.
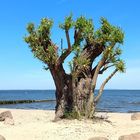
x=38, y=125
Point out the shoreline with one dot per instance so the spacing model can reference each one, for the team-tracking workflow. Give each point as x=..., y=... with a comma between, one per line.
x=39, y=125
x=97, y=111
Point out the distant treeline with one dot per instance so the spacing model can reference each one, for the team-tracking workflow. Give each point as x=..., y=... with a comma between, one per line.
x=22, y=101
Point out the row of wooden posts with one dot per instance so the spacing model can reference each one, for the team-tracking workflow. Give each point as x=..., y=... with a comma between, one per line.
x=22, y=101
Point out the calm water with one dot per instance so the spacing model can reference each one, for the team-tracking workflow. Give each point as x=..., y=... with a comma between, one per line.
x=112, y=100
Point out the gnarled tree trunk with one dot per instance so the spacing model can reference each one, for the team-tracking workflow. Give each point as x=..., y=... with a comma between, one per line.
x=73, y=97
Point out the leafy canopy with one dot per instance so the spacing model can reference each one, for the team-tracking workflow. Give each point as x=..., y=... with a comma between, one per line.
x=109, y=36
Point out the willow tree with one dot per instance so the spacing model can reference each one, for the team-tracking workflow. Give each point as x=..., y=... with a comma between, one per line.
x=75, y=90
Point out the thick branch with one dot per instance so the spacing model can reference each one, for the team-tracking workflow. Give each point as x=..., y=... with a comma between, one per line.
x=67, y=52
x=101, y=63
x=77, y=34
x=68, y=40
x=97, y=70
x=92, y=51
x=105, y=62
x=103, y=85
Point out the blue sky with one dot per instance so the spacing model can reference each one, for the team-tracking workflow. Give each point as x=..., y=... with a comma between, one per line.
x=18, y=68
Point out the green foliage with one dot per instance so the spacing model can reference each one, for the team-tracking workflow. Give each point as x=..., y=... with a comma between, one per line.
x=71, y=115
x=112, y=56
x=78, y=63
x=118, y=51
x=46, y=25
x=120, y=65
x=76, y=49
x=40, y=42
x=108, y=33
x=51, y=55
x=81, y=63
x=30, y=28
x=68, y=23
x=85, y=29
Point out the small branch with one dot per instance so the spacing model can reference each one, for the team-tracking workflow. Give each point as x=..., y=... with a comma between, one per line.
x=63, y=56
x=46, y=68
x=103, y=85
x=61, y=44
x=67, y=52
x=105, y=68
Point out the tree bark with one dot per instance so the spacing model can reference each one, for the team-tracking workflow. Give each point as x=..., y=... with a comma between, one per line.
x=84, y=98
x=63, y=91
x=72, y=96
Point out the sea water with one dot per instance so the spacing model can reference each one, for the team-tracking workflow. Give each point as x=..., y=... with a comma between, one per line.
x=111, y=100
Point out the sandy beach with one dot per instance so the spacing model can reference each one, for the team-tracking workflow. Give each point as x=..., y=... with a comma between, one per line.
x=39, y=125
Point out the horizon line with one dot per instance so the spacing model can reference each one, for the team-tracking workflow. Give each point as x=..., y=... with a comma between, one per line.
x=55, y=89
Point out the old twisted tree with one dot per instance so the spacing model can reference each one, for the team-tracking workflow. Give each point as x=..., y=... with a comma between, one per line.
x=75, y=90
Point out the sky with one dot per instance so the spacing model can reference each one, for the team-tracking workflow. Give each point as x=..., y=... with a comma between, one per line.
x=20, y=70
